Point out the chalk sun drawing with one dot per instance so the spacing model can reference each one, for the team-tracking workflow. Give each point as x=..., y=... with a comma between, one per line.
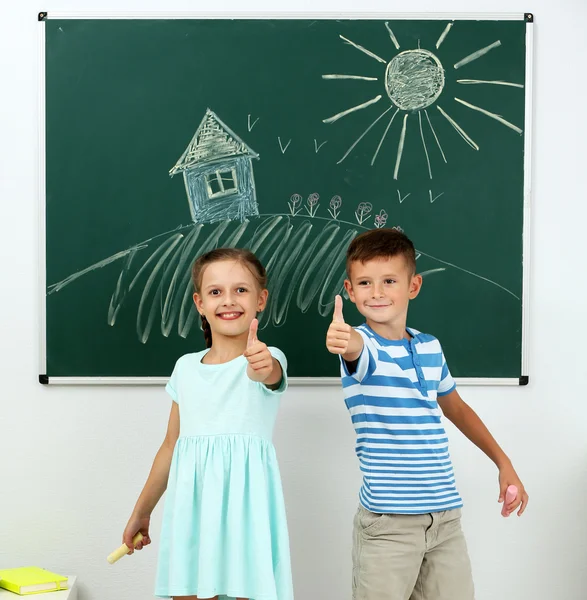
x=414, y=81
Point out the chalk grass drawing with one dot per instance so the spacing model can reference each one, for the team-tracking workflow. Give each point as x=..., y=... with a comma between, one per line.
x=282, y=147
x=414, y=81
x=251, y=125
x=435, y=197
x=318, y=146
x=217, y=171
x=335, y=204
x=402, y=198
x=155, y=275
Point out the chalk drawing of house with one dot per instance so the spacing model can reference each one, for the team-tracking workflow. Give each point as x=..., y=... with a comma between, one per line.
x=217, y=169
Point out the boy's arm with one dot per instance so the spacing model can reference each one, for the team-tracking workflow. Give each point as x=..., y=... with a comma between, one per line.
x=468, y=422
x=342, y=338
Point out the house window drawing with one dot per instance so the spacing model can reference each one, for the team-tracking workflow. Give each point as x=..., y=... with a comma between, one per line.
x=221, y=183
x=217, y=169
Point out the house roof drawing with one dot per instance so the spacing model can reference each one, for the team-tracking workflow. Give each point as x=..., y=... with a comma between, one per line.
x=212, y=141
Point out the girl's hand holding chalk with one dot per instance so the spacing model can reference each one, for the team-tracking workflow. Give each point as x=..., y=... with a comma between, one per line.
x=124, y=549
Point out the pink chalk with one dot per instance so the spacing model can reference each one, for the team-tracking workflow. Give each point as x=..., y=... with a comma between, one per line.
x=510, y=496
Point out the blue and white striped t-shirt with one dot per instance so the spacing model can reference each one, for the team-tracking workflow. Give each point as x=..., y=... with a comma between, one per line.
x=401, y=443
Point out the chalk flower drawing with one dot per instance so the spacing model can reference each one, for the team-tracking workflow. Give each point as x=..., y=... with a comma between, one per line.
x=363, y=211
x=335, y=204
x=294, y=204
x=380, y=219
x=413, y=81
x=312, y=204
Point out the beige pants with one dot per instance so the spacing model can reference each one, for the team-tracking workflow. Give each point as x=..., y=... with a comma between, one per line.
x=410, y=557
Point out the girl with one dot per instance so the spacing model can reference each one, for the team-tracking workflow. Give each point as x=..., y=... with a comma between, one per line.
x=224, y=532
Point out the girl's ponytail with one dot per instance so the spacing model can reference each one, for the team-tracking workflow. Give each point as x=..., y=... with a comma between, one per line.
x=207, y=331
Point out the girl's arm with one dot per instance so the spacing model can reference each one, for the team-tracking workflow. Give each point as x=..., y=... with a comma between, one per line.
x=274, y=380
x=155, y=485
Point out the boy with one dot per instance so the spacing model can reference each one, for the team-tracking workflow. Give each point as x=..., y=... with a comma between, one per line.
x=407, y=537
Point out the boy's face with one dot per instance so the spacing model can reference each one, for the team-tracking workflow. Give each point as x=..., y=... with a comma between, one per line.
x=382, y=288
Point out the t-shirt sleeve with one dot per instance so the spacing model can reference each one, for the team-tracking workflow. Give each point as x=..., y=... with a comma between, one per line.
x=366, y=363
x=171, y=387
x=447, y=383
x=279, y=356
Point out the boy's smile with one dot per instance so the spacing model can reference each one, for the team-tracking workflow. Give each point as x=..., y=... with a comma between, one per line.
x=382, y=289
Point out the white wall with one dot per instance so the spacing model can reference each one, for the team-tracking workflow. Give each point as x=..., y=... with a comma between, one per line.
x=66, y=490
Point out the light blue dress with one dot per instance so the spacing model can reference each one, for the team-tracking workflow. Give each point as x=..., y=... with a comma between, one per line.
x=224, y=526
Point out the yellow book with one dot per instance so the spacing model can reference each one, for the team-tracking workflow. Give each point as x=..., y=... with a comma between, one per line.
x=31, y=580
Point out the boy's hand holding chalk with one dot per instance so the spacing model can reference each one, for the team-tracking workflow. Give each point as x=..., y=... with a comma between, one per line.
x=510, y=497
x=512, y=492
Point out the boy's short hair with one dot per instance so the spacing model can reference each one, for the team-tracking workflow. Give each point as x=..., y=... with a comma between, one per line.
x=381, y=243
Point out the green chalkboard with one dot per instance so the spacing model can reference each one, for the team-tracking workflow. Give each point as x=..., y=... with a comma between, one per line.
x=168, y=137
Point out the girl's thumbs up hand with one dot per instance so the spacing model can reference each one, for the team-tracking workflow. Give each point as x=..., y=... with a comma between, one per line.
x=258, y=356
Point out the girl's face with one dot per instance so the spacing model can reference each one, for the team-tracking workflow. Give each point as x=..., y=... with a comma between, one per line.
x=229, y=298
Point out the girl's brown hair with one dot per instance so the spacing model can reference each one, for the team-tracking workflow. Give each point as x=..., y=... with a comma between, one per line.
x=241, y=255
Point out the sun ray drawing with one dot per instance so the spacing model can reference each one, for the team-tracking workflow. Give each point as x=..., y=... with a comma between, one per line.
x=424, y=144
x=459, y=129
x=413, y=81
x=392, y=36
x=348, y=111
x=443, y=35
x=384, y=136
x=364, y=134
x=480, y=81
x=362, y=77
x=477, y=54
x=490, y=114
x=362, y=49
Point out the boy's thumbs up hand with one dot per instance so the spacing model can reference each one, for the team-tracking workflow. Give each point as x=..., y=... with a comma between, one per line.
x=258, y=356
x=338, y=316
x=339, y=333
